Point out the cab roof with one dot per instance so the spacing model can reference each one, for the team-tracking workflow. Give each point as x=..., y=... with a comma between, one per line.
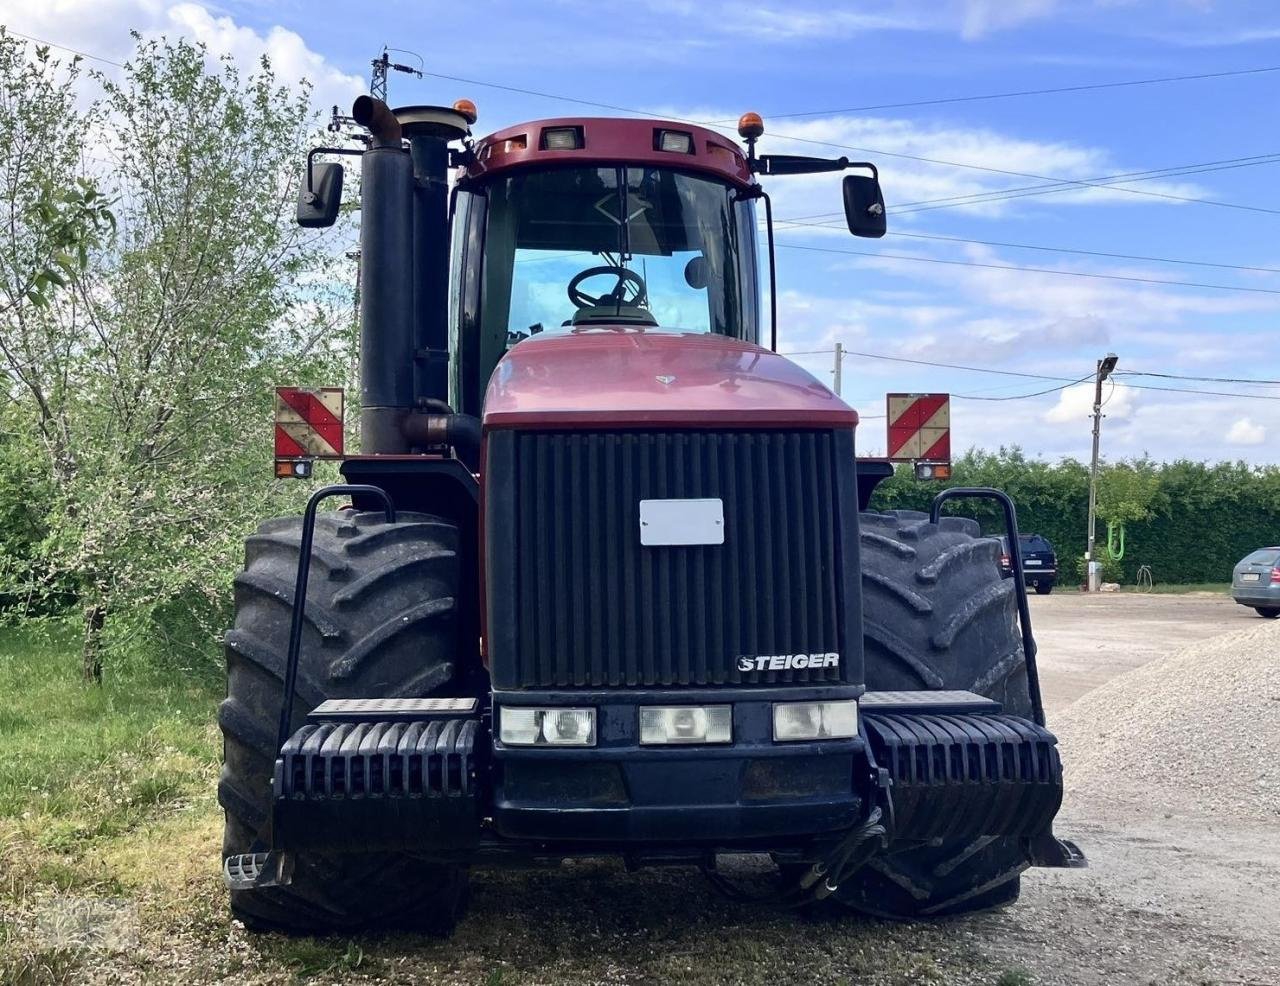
x=610, y=141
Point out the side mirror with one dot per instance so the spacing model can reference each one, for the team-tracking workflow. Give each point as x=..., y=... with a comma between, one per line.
x=864, y=205
x=318, y=203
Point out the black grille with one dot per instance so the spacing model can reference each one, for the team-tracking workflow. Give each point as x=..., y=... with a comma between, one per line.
x=590, y=606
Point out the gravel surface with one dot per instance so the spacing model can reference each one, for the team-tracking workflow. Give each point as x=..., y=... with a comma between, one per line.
x=1195, y=732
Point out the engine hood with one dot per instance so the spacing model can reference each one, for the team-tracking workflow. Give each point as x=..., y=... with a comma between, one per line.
x=629, y=377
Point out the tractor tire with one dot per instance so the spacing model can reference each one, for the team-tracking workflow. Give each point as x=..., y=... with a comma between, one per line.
x=1268, y=612
x=938, y=615
x=380, y=622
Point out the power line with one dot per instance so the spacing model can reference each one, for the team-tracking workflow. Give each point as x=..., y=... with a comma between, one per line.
x=1210, y=393
x=1179, y=376
x=1032, y=270
x=1024, y=92
x=781, y=136
x=534, y=92
x=1064, y=382
x=1114, y=185
x=1051, y=249
x=1045, y=188
x=1094, y=253
x=1022, y=397
x=923, y=362
x=54, y=44
x=1079, y=182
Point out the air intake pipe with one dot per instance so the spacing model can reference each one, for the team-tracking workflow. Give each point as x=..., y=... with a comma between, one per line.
x=440, y=425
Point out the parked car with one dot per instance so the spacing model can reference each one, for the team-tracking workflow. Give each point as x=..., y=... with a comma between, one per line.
x=1039, y=562
x=1256, y=582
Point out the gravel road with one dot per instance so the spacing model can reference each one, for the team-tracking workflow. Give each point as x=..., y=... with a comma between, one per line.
x=1168, y=712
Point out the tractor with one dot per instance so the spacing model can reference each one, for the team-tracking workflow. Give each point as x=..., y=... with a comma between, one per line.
x=606, y=582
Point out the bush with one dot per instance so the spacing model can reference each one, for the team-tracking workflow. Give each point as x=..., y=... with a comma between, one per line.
x=1196, y=519
x=1112, y=570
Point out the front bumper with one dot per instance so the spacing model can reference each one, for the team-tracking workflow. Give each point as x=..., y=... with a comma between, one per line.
x=745, y=791
x=941, y=765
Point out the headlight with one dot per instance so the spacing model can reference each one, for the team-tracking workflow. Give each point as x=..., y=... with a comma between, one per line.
x=665, y=725
x=815, y=720
x=523, y=726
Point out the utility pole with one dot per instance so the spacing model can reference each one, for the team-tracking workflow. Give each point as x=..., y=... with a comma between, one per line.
x=1105, y=366
x=839, y=360
x=381, y=66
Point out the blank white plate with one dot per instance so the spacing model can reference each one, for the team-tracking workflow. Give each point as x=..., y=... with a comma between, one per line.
x=681, y=522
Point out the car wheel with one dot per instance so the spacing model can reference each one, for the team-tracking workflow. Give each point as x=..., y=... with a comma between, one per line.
x=1044, y=588
x=1268, y=612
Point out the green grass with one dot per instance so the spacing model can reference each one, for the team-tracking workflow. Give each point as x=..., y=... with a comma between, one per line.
x=1221, y=588
x=1163, y=588
x=90, y=759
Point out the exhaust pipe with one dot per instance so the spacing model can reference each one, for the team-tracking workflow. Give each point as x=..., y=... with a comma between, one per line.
x=376, y=117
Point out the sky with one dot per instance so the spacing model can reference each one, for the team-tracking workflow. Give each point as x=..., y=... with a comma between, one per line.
x=954, y=281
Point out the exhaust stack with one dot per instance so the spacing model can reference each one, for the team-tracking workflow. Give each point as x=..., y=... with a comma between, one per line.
x=404, y=271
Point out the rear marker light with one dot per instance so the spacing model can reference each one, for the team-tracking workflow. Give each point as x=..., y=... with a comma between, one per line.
x=293, y=468
x=814, y=720
x=523, y=726
x=670, y=725
x=1275, y=575
x=561, y=139
x=675, y=142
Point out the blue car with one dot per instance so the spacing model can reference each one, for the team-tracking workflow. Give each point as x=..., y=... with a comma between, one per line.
x=1256, y=582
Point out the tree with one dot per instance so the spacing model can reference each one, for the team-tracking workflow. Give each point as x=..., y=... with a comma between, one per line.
x=150, y=377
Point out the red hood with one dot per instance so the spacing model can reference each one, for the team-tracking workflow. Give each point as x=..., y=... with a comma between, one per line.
x=629, y=377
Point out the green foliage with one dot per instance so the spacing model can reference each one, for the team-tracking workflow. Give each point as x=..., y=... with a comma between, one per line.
x=1190, y=521
x=143, y=346
x=1112, y=570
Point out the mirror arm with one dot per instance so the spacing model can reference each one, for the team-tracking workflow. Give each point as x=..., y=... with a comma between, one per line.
x=773, y=273
x=756, y=192
x=788, y=164
x=311, y=154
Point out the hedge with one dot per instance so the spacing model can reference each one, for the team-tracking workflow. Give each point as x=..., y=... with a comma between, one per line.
x=1201, y=518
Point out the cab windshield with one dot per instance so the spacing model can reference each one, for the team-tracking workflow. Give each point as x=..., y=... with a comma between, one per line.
x=569, y=249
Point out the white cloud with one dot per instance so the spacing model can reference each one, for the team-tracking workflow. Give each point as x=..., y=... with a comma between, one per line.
x=984, y=16
x=101, y=28
x=1246, y=431
x=922, y=161
x=290, y=57
x=1075, y=403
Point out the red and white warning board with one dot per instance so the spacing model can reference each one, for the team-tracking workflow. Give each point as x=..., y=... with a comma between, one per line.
x=309, y=423
x=919, y=427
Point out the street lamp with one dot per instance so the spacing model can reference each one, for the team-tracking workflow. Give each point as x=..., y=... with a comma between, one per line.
x=1105, y=367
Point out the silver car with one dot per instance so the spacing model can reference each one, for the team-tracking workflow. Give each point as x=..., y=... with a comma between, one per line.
x=1256, y=582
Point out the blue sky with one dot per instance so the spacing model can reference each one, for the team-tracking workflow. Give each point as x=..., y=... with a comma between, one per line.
x=712, y=60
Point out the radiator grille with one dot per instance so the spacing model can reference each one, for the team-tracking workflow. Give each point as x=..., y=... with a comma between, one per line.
x=593, y=607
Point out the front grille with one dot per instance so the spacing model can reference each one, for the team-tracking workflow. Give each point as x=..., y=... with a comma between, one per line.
x=577, y=601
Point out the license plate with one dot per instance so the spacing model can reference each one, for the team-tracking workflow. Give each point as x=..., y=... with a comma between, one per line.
x=1032, y=561
x=1250, y=577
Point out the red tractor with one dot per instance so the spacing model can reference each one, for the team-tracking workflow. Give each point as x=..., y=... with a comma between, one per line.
x=607, y=584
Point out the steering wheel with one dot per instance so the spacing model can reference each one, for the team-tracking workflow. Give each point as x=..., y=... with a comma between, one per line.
x=618, y=296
